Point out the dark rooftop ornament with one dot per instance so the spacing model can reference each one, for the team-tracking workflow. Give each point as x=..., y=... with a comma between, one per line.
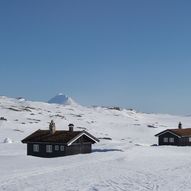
x=52, y=127
x=180, y=125
x=71, y=127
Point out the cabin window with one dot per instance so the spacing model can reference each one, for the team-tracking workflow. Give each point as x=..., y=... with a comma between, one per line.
x=171, y=140
x=36, y=148
x=56, y=147
x=62, y=148
x=49, y=148
x=165, y=140
x=190, y=139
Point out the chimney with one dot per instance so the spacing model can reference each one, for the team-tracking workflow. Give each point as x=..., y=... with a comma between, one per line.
x=180, y=125
x=71, y=127
x=52, y=127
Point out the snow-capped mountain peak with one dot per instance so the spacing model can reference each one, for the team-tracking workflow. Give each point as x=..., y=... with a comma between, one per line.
x=62, y=99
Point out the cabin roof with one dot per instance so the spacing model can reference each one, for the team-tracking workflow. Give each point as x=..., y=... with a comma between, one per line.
x=178, y=132
x=66, y=137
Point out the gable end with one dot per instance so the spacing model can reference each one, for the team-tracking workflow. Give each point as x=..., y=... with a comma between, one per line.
x=167, y=131
x=80, y=135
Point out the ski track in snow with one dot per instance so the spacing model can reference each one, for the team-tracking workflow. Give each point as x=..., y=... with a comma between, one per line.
x=108, y=173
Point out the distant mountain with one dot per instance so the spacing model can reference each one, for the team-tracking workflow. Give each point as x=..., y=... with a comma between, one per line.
x=21, y=99
x=62, y=100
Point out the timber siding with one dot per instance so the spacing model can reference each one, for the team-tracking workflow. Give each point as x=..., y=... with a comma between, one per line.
x=168, y=135
x=181, y=137
x=42, y=150
x=68, y=150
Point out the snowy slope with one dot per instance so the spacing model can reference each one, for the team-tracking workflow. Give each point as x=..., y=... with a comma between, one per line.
x=62, y=99
x=126, y=162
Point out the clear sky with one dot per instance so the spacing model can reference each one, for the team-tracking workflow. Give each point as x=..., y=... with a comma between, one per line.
x=131, y=53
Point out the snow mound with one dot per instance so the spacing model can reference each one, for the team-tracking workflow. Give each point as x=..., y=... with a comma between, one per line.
x=21, y=99
x=62, y=100
x=7, y=140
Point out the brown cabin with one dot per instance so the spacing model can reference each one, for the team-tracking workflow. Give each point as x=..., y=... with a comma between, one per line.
x=176, y=137
x=52, y=143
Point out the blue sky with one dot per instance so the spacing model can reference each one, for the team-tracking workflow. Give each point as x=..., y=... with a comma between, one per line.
x=130, y=53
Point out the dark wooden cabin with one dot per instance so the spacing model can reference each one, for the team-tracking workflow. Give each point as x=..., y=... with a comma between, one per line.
x=177, y=137
x=52, y=143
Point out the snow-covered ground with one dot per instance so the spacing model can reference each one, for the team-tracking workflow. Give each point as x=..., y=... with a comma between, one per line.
x=126, y=160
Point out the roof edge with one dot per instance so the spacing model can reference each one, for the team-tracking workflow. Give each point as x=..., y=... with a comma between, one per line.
x=24, y=140
x=165, y=131
x=81, y=134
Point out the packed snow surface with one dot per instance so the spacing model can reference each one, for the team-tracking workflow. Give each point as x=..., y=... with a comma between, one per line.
x=124, y=160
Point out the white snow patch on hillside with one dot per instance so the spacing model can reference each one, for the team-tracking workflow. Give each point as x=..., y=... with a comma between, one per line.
x=7, y=140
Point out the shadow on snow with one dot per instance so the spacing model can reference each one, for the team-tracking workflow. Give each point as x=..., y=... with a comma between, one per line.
x=106, y=150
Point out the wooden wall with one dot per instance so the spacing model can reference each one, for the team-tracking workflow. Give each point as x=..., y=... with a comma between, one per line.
x=183, y=141
x=76, y=148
